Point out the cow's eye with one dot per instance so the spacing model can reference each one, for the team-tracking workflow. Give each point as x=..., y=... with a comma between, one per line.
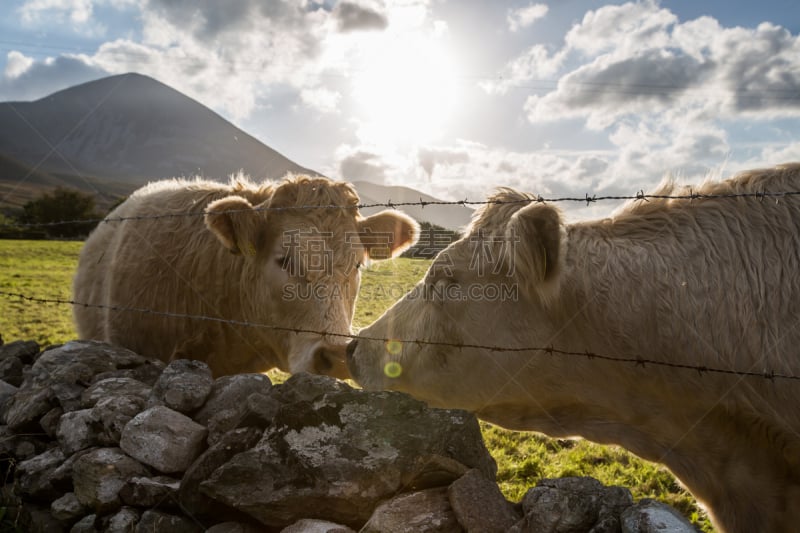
x=359, y=265
x=281, y=262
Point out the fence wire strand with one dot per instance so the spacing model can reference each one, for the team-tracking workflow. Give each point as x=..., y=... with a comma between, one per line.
x=547, y=350
x=587, y=199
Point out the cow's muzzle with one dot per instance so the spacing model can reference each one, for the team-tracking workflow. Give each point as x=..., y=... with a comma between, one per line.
x=351, y=349
x=330, y=361
x=350, y=357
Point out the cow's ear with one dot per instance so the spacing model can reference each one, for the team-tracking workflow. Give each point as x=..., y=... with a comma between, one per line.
x=534, y=235
x=234, y=222
x=387, y=234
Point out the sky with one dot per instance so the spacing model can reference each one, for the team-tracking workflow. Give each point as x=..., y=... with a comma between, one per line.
x=457, y=97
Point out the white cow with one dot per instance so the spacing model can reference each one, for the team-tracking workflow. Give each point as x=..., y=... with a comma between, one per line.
x=256, y=253
x=704, y=283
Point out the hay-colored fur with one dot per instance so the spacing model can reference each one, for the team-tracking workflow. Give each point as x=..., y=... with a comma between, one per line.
x=709, y=282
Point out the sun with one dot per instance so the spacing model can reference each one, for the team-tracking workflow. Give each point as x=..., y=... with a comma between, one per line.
x=405, y=93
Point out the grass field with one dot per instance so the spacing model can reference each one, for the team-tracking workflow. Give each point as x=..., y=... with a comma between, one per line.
x=44, y=269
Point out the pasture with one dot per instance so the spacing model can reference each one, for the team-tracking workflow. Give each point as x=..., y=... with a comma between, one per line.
x=44, y=269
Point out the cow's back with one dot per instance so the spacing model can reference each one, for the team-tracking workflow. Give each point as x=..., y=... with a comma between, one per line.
x=161, y=258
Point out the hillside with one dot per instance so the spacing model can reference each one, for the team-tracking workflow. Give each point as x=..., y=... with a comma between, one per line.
x=112, y=135
x=126, y=129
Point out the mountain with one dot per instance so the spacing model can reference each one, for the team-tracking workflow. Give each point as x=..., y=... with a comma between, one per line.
x=452, y=217
x=112, y=135
x=127, y=129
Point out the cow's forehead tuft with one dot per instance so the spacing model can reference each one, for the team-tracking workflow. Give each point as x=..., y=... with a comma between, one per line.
x=494, y=215
x=300, y=191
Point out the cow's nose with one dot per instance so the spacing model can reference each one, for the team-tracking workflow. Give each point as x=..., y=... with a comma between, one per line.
x=351, y=349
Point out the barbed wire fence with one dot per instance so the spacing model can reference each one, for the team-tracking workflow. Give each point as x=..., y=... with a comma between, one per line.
x=640, y=361
x=548, y=350
x=587, y=199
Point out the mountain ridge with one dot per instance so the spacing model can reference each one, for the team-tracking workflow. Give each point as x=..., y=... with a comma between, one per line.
x=112, y=135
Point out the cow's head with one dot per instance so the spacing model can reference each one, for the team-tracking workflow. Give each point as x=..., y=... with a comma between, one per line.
x=303, y=260
x=490, y=288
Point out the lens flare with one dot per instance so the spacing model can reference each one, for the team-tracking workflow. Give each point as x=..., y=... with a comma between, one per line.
x=394, y=347
x=392, y=369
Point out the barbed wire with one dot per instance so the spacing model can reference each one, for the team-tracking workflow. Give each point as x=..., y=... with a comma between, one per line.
x=639, y=196
x=548, y=350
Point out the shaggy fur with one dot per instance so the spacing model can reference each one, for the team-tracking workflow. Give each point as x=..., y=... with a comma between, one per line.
x=231, y=258
x=707, y=282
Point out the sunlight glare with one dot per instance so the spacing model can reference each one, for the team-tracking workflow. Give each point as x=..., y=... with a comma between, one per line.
x=406, y=90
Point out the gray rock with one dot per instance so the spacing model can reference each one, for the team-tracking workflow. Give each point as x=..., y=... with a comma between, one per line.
x=34, y=518
x=256, y=410
x=164, y=439
x=37, y=476
x=614, y=502
x=111, y=387
x=68, y=508
x=416, y=512
x=479, y=505
x=234, y=527
x=7, y=392
x=192, y=500
x=80, y=361
x=148, y=372
x=183, y=386
x=99, y=475
x=305, y=387
x=231, y=392
x=78, y=430
x=123, y=521
x=260, y=409
x=87, y=524
x=650, y=516
x=27, y=406
x=572, y=504
x=62, y=475
x=156, y=521
x=20, y=446
x=158, y=491
x=114, y=413
x=309, y=525
x=11, y=370
x=49, y=422
x=342, y=451
x=25, y=351
x=222, y=422
x=67, y=394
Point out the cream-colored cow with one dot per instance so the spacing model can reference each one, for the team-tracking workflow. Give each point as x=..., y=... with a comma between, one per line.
x=705, y=283
x=246, y=252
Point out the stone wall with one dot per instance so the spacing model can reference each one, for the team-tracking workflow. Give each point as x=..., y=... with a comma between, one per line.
x=98, y=438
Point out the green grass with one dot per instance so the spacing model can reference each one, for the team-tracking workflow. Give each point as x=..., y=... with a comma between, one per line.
x=44, y=269
x=41, y=269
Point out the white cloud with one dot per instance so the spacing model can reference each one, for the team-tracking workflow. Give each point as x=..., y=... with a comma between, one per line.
x=775, y=155
x=665, y=93
x=624, y=28
x=533, y=68
x=352, y=16
x=75, y=14
x=525, y=16
x=321, y=99
x=429, y=158
x=361, y=165
x=35, y=11
x=26, y=79
x=16, y=64
x=636, y=58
